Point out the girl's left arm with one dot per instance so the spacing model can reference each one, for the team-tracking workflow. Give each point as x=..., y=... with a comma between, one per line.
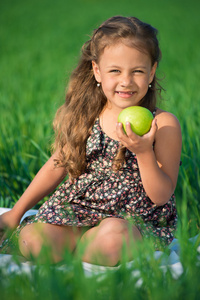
x=158, y=165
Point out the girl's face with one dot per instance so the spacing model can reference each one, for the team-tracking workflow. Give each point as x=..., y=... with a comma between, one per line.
x=125, y=74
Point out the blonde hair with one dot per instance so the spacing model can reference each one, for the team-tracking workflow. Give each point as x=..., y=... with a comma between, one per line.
x=85, y=101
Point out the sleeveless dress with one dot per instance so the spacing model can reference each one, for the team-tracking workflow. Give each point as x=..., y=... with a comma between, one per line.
x=101, y=192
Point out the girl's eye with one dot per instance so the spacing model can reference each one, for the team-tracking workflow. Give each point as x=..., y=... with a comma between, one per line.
x=138, y=71
x=114, y=71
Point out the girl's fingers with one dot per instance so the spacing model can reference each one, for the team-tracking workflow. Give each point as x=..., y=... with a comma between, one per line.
x=153, y=129
x=130, y=134
x=129, y=131
x=129, y=138
x=154, y=125
x=122, y=134
x=134, y=142
x=120, y=131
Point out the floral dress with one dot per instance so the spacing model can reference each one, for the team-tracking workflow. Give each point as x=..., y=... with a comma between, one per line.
x=101, y=192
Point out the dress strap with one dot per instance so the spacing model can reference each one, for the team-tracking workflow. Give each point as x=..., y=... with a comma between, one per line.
x=154, y=112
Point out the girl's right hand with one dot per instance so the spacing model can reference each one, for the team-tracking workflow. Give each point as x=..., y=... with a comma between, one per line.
x=135, y=143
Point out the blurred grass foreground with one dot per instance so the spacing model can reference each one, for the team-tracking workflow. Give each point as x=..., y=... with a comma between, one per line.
x=40, y=42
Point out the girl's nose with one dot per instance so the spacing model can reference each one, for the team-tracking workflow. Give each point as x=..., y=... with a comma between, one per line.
x=126, y=80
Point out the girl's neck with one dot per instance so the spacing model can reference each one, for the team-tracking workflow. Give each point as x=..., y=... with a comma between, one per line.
x=108, y=120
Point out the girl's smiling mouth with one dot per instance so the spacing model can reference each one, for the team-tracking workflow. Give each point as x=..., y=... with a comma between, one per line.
x=125, y=94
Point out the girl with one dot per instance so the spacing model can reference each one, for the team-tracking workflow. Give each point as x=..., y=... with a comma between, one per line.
x=113, y=177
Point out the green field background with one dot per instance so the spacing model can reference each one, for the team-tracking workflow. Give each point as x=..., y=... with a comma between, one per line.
x=40, y=42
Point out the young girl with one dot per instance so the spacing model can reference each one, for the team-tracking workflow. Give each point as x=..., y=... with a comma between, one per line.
x=113, y=177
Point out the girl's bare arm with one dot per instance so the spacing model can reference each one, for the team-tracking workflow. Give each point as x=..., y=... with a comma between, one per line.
x=45, y=181
x=158, y=166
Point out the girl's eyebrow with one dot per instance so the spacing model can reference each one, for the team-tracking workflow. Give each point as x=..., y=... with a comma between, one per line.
x=113, y=66
x=118, y=67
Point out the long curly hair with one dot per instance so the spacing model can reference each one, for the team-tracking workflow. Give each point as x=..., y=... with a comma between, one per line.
x=85, y=101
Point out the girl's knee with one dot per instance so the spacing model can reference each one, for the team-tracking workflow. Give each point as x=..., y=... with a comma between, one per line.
x=115, y=233
x=105, y=243
x=112, y=235
x=120, y=226
x=56, y=239
x=110, y=244
x=30, y=241
x=114, y=226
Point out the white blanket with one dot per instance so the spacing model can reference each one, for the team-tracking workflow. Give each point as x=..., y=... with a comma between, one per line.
x=172, y=261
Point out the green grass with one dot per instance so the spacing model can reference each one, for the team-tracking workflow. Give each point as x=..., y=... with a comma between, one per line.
x=149, y=282
x=40, y=42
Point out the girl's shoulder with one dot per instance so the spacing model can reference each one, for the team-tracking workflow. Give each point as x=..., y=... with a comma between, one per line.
x=165, y=118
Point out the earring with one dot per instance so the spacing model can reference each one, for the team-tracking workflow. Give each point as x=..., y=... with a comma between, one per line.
x=150, y=85
x=98, y=84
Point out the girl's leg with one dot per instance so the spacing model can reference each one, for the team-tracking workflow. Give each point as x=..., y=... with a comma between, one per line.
x=104, y=243
x=57, y=238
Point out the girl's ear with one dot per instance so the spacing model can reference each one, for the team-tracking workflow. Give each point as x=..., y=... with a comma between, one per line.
x=96, y=71
x=153, y=71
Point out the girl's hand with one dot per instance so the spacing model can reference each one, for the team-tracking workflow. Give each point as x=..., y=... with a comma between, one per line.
x=135, y=143
x=8, y=221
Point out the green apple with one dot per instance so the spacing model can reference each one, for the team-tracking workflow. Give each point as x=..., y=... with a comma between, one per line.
x=139, y=117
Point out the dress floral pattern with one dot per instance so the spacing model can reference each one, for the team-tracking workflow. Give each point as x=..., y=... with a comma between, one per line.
x=101, y=192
